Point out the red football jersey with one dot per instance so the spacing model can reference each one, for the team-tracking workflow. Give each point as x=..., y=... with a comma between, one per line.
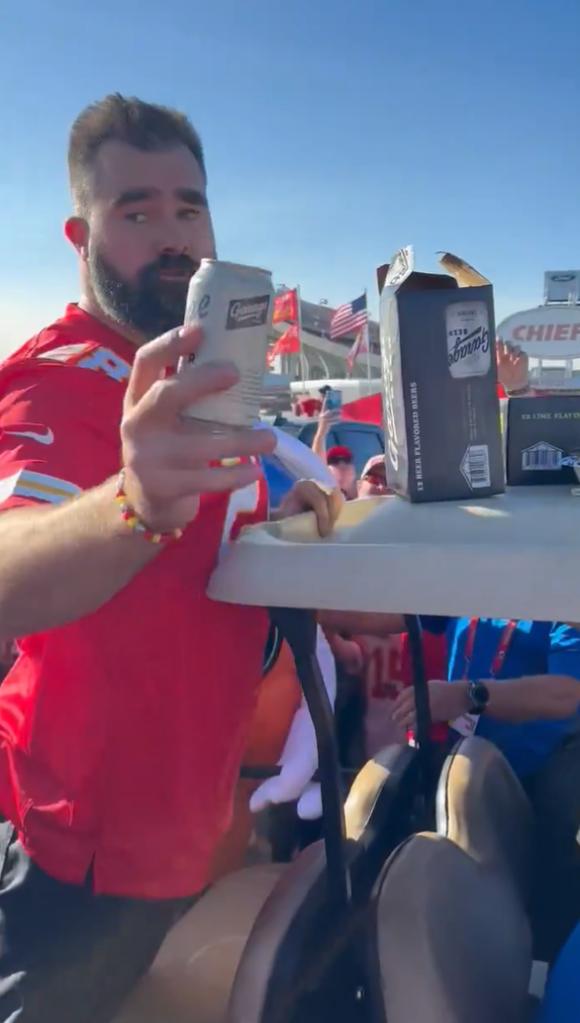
x=121, y=734
x=435, y=663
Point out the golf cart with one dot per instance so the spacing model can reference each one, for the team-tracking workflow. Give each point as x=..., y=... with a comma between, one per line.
x=403, y=913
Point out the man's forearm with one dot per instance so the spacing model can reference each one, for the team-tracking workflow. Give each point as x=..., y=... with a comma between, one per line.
x=533, y=698
x=319, y=445
x=362, y=623
x=61, y=563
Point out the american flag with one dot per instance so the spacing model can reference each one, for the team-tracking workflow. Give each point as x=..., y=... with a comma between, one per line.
x=348, y=318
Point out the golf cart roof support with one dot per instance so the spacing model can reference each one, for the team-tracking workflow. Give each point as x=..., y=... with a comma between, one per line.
x=299, y=628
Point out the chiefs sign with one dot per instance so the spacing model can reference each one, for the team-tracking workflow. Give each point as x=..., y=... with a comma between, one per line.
x=548, y=331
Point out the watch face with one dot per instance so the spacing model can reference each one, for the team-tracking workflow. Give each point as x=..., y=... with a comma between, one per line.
x=479, y=695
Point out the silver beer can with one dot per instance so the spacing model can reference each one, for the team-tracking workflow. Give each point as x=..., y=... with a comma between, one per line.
x=468, y=340
x=234, y=305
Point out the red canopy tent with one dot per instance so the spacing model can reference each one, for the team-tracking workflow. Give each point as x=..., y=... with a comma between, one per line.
x=365, y=410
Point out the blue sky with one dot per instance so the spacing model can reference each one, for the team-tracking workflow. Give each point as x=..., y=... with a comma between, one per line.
x=335, y=133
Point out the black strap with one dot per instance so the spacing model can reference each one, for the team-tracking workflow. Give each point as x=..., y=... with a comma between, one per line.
x=7, y=836
x=273, y=648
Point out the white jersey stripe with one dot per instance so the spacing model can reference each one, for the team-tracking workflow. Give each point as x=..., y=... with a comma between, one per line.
x=38, y=486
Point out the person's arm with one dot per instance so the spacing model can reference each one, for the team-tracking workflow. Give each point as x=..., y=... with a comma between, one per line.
x=347, y=652
x=516, y=700
x=553, y=696
x=319, y=442
x=362, y=623
x=62, y=561
x=532, y=698
x=369, y=623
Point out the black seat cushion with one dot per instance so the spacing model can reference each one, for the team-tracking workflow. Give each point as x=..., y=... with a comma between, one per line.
x=482, y=807
x=450, y=939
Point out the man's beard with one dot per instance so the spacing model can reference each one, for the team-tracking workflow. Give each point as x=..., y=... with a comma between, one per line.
x=149, y=305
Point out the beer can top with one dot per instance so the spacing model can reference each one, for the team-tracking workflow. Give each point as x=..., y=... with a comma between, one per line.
x=235, y=266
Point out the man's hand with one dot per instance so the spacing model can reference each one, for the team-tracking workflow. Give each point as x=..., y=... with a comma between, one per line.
x=308, y=495
x=512, y=367
x=170, y=460
x=348, y=653
x=448, y=701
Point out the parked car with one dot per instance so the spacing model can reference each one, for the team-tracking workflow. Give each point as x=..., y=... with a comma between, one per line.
x=363, y=439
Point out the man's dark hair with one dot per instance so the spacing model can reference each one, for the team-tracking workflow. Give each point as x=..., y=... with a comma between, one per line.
x=146, y=126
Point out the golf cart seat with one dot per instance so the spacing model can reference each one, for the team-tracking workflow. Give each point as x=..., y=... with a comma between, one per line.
x=378, y=808
x=259, y=925
x=449, y=938
x=193, y=973
x=280, y=964
x=483, y=809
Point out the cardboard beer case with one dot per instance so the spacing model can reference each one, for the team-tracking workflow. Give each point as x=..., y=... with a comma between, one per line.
x=543, y=440
x=442, y=418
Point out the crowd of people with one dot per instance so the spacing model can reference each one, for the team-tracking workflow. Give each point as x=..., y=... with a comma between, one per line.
x=130, y=699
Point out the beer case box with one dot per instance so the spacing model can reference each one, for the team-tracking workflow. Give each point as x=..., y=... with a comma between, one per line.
x=443, y=435
x=543, y=440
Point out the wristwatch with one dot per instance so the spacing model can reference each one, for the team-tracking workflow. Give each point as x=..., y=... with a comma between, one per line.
x=479, y=696
x=519, y=392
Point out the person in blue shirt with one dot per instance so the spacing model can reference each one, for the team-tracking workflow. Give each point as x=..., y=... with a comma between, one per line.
x=562, y=997
x=517, y=684
x=514, y=683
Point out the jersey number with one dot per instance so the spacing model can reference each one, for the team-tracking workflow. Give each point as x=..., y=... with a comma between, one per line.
x=384, y=672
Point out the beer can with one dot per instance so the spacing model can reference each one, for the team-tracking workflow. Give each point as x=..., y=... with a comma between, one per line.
x=233, y=304
x=468, y=341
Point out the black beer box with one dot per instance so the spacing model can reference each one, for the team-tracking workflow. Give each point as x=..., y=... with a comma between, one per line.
x=542, y=433
x=442, y=418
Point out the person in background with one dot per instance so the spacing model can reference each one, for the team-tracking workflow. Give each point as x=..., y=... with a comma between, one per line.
x=513, y=372
x=561, y=1001
x=380, y=663
x=373, y=478
x=517, y=684
x=340, y=461
x=326, y=420
x=514, y=683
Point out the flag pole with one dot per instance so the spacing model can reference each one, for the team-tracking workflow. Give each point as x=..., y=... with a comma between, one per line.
x=368, y=344
x=299, y=322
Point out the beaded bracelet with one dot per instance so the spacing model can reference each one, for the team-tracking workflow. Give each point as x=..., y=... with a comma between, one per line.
x=129, y=515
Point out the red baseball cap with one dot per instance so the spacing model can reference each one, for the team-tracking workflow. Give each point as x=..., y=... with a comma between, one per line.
x=339, y=454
